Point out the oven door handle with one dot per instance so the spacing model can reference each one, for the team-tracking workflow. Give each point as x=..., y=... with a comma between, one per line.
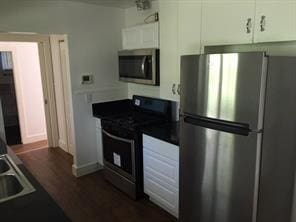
x=118, y=138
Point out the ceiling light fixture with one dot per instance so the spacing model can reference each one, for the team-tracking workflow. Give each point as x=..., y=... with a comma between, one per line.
x=142, y=4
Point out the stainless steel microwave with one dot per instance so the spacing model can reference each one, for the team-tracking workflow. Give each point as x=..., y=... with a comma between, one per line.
x=139, y=66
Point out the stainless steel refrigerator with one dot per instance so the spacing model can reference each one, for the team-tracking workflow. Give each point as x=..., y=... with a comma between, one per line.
x=223, y=153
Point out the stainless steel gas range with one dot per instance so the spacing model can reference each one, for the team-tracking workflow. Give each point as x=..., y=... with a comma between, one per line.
x=122, y=142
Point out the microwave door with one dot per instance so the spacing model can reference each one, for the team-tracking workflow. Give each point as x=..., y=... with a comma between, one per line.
x=139, y=66
x=132, y=66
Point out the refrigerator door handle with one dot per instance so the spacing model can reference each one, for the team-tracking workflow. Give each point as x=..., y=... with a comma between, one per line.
x=220, y=125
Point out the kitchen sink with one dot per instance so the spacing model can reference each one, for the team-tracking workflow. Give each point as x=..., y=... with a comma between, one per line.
x=4, y=167
x=9, y=186
x=13, y=182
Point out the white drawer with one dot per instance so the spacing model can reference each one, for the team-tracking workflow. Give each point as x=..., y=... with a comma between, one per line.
x=161, y=167
x=163, y=148
x=166, y=197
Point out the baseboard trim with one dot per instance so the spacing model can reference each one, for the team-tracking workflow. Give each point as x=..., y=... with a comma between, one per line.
x=34, y=138
x=63, y=145
x=79, y=171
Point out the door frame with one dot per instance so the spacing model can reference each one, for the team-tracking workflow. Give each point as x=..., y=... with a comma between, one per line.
x=46, y=69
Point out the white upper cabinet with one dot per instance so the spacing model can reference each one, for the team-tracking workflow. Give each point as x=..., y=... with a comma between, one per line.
x=226, y=22
x=169, y=56
x=189, y=26
x=180, y=30
x=275, y=21
x=141, y=37
x=131, y=38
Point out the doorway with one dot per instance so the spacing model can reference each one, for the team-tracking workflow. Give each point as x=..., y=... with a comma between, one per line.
x=22, y=94
x=8, y=100
x=49, y=69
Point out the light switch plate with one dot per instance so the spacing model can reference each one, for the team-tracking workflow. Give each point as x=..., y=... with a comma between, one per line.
x=87, y=79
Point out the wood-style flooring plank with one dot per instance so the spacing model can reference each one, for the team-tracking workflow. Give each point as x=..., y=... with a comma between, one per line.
x=89, y=198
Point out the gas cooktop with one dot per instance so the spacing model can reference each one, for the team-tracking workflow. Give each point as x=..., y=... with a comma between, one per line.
x=131, y=120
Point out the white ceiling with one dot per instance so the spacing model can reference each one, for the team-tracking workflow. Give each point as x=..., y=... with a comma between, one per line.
x=110, y=3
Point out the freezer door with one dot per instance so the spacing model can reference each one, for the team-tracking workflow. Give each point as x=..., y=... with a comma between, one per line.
x=227, y=86
x=218, y=174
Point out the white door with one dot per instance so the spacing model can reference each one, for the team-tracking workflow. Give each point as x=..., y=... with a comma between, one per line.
x=275, y=21
x=61, y=86
x=227, y=22
x=189, y=27
x=66, y=92
x=25, y=60
x=169, y=53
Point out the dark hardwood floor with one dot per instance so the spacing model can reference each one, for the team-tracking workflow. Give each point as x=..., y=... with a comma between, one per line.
x=21, y=148
x=89, y=198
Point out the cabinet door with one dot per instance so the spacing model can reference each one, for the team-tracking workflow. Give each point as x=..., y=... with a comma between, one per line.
x=275, y=21
x=161, y=173
x=149, y=36
x=141, y=37
x=189, y=27
x=227, y=22
x=131, y=38
x=169, y=58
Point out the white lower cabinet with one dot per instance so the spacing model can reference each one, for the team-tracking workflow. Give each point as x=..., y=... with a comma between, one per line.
x=99, y=141
x=161, y=173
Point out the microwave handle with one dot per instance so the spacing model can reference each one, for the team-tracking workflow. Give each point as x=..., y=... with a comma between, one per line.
x=143, y=64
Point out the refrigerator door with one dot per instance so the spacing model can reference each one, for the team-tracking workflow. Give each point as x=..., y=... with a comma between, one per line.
x=219, y=173
x=227, y=86
x=277, y=196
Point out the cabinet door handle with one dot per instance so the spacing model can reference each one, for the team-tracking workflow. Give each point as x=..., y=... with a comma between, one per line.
x=262, y=23
x=174, y=89
x=249, y=25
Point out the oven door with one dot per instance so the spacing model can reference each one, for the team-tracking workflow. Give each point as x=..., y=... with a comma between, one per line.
x=139, y=66
x=119, y=155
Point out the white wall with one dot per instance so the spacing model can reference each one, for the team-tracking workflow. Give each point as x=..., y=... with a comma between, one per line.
x=94, y=34
x=134, y=17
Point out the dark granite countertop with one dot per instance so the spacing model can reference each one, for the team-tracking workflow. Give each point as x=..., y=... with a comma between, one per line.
x=36, y=206
x=101, y=110
x=3, y=148
x=168, y=132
